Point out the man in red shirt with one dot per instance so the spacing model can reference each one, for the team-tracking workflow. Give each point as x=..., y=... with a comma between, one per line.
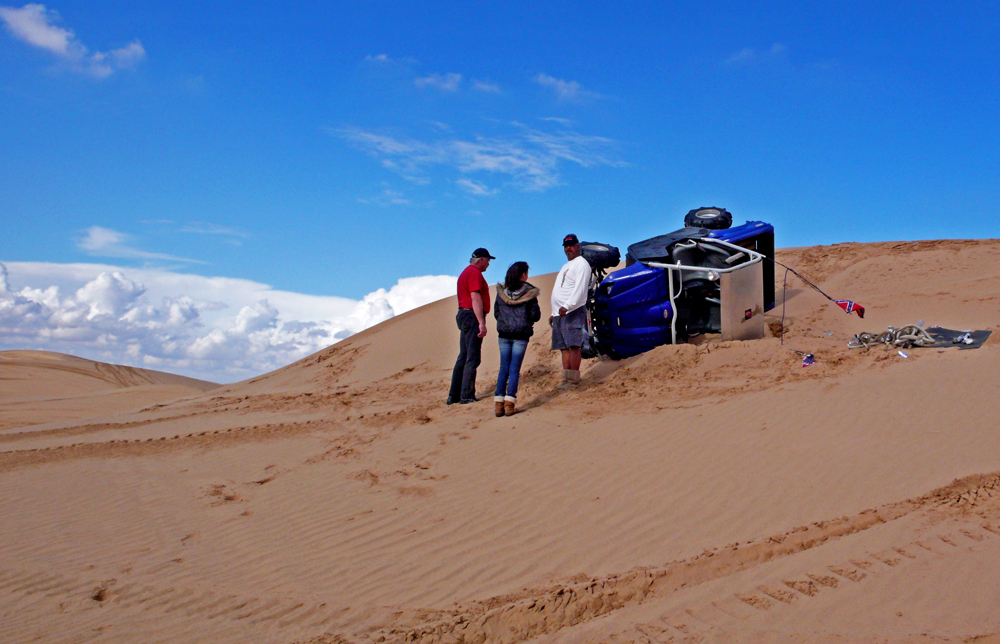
x=473, y=305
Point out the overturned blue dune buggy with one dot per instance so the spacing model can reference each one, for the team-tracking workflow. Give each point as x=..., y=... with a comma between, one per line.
x=708, y=277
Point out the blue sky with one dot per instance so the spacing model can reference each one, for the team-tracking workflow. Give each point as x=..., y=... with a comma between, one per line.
x=328, y=152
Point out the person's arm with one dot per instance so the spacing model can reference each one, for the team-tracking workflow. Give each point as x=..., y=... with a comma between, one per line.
x=477, y=308
x=558, y=307
x=582, y=283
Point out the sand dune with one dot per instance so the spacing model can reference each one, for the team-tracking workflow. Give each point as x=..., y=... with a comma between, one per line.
x=710, y=492
x=41, y=387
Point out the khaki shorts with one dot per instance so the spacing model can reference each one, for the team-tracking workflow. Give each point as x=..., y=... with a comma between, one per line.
x=569, y=330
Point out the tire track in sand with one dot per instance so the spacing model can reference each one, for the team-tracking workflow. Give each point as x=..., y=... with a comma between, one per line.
x=151, y=604
x=13, y=459
x=534, y=613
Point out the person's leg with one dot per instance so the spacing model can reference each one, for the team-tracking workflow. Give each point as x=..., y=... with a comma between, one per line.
x=518, y=349
x=559, y=342
x=505, y=352
x=517, y=357
x=571, y=360
x=574, y=358
x=469, y=330
x=455, y=392
x=472, y=360
x=574, y=335
x=506, y=348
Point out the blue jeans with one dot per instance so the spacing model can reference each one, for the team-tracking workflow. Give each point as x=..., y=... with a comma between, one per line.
x=511, y=357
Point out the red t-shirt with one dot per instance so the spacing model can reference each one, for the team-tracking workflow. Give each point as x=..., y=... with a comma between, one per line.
x=470, y=280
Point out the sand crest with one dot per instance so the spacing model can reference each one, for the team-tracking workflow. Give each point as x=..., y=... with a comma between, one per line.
x=42, y=387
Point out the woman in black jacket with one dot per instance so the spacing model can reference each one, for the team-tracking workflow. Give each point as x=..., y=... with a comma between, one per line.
x=516, y=310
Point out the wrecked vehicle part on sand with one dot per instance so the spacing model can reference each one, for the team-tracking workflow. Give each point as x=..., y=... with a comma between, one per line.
x=682, y=284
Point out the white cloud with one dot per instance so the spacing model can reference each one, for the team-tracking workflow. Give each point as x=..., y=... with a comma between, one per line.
x=443, y=82
x=572, y=146
x=104, y=242
x=475, y=188
x=98, y=239
x=487, y=87
x=387, y=198
x=31, y=23
x=750, y=56
x=205, y=228
x=391, y=146
x=529, y=157
x=218, y=329
x=258, y=317
x=35, y=25
x=372, y=311
x=744, y=55
x=564, y=89
x=412, y=292
x=109, y=294
x=387, y=60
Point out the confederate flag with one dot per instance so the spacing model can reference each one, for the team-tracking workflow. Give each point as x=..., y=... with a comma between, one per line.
x=851, y=307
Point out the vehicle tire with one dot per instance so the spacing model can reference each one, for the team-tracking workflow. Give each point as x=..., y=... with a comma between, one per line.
x=711, y=218
x=601, y=257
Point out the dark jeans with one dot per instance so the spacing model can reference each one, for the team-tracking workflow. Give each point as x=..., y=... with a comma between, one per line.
x=470, y=345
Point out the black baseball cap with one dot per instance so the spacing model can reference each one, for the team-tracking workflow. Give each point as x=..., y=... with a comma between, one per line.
x=571, y=240
x=480, y=253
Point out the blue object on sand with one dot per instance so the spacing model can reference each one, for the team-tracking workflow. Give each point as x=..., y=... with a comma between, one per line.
x=637, y=308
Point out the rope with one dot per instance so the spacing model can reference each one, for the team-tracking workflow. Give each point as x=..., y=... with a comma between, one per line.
x=784, y=289
x=784, y=285
x=788, y=270
x=904, y=337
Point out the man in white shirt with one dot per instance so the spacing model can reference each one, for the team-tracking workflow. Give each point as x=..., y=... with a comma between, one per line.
x=569, y=311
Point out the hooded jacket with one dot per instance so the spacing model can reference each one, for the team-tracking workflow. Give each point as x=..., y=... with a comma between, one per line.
x=516, y=311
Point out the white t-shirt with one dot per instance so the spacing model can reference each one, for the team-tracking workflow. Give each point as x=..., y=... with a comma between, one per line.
x=570, y=288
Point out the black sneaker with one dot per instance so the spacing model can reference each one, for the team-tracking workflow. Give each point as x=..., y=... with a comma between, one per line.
x=450, y=401
x=467, y=401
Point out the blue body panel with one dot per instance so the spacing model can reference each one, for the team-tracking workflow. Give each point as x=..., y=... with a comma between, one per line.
x=632, y=311
x=745, y=231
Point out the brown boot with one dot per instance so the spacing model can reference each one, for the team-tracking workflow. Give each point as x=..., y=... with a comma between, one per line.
x=498, y=406
x=509, y=405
